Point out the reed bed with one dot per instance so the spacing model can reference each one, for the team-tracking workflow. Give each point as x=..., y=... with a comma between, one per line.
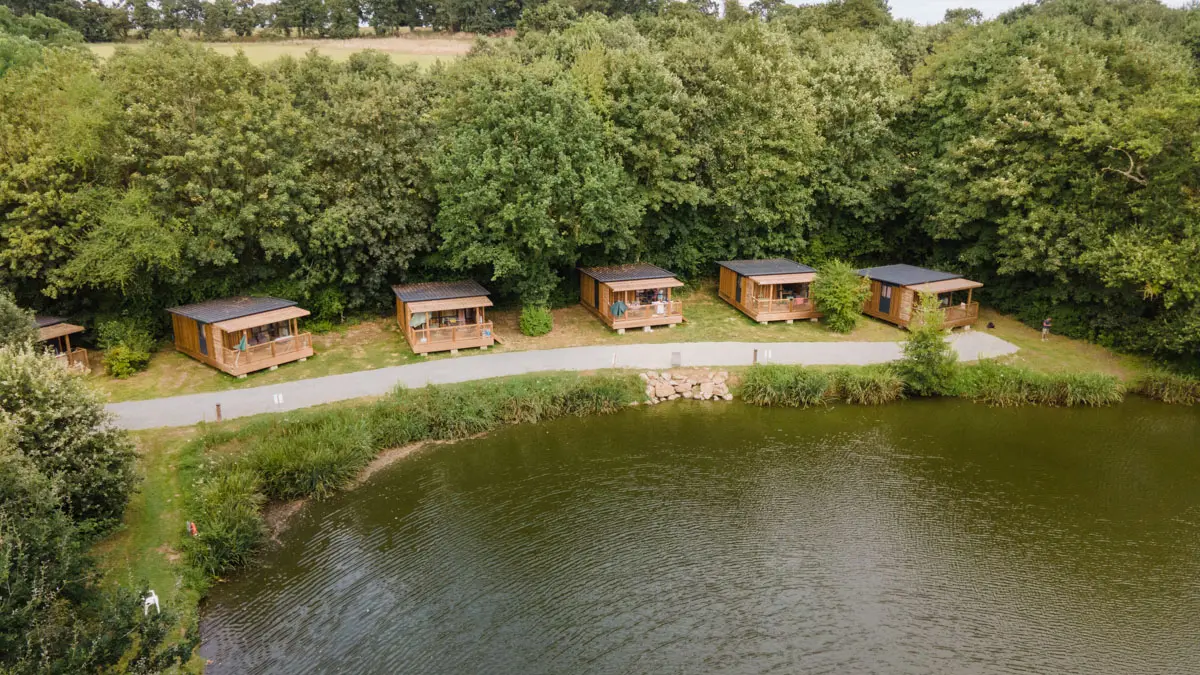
x=785, y=386
x=1002, y=385
x=312, y=454
x=1170, y=387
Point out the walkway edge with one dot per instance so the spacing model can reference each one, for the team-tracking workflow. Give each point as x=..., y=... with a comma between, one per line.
x=194, y=408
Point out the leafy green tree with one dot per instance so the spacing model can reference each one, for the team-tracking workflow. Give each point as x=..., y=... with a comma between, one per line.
x=61, y=425
x=145, y=16
x=839, y=292
x=929, y=365
x=525, y=182
x=16, y=324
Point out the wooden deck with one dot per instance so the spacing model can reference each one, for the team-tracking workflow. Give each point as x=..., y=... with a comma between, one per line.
x=765, y=310
x=263, y=356
x=446, y=338
x=643, y=316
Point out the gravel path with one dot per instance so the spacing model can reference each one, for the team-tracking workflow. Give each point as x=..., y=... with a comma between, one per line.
x=187, y=410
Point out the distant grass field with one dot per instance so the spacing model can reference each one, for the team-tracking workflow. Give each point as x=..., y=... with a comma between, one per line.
x=423, y=51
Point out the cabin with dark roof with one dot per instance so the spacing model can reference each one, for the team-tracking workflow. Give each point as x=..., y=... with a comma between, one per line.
x=55, y=333
x=636, y=295
x=444, y=316
x=768, y=290
x=242, y=334
x=894, y=290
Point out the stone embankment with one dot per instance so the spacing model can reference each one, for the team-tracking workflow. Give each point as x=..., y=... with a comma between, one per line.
x=699, y=385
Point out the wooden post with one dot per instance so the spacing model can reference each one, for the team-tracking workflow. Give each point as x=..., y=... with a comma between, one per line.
x=218, y=412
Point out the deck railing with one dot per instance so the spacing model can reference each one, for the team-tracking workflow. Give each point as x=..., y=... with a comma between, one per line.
x=452, y=334
x=961, y=313
x=76, y=358
x=780, y=305
x=266, y=351
x=662, y=309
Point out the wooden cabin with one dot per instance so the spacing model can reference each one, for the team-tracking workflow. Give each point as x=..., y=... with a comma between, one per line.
x=894, y=290
x=637, y=295
x=768, y=290
x=243, y=334
x=444, y=315
x=55, y=333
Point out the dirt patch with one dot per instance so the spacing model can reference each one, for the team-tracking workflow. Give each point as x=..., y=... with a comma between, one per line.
x=169, y=553
x=277, y=514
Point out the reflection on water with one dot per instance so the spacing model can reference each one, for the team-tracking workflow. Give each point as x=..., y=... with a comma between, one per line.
x=923, y=537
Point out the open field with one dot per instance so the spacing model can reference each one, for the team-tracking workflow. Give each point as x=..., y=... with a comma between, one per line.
x=424, y=51
x=378, y=343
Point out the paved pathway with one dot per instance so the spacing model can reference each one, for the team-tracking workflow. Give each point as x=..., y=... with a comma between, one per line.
x=186, y=410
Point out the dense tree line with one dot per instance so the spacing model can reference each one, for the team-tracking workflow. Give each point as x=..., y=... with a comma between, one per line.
x=1051, y=152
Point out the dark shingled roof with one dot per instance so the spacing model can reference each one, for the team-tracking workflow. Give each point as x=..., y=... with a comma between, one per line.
x=906, y=275
x=439, y=290
x=224, y=309
x=753, y=268
x=44, y=321
x=629, y=272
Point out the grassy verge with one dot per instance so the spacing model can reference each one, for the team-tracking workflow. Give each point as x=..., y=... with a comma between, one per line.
x=1170, y=387
x=316, y=452
x=801, y=387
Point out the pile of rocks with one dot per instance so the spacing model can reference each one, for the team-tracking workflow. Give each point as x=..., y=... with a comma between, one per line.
x=697, y=385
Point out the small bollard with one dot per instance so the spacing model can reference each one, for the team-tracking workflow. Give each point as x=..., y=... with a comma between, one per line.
x=755, y=357
x=676, y=359
x=218, y=412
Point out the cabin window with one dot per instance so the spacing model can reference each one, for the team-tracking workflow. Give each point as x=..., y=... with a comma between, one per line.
x=793, y=291
x=650, y=295
x=272, y=331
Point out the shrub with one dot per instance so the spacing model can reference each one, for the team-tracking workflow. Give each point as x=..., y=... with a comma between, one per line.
x=228, y=520
x=60, y=423
x=1170, y=387
x=127, y=344
x=839, y=293
x=791, y=386
x=16, y=324
x=312, y=456
x=867, y=386
x=929, y=364
x=536, y=320
x=1006, y=386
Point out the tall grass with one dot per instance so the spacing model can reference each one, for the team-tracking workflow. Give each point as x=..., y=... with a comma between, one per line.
x=1170, y=387
x=1006, y=386
x=316, y=453
x=785, y=386
x=873, y=385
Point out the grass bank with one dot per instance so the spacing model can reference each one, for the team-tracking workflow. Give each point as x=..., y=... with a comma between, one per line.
x=1170, y=387
x=313, y=453
x=987, y=382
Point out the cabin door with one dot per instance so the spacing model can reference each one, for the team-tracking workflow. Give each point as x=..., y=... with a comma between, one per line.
x=203, y=340
x=737, y=292
x=885, y=299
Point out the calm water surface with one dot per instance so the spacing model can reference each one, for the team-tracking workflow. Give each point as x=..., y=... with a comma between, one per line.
x=924, y=537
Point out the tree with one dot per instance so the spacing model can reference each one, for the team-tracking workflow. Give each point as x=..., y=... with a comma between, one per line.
x=929, y=364
x=145, y=16
x=525, y=181
x=16, y=324
x=61, y=426
x=839, y=293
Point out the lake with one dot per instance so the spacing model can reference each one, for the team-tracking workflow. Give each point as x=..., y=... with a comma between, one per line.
x=929, y=536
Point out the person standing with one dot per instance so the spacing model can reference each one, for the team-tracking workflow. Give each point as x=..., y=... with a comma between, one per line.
x=1046, y=329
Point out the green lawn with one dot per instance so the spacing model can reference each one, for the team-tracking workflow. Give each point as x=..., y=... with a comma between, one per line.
x=423, y=51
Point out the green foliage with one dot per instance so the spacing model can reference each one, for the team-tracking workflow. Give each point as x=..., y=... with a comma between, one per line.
x=839, y=293
x=38, y=27
x=929, y=364
x=869, y=385
x=1006, y=386
x=536, y=320
x=316, y=453
x=60, y=424
x=127, y=343
x=230, y=528
x=1170, y=387
x=17, y=325
x=789, y=386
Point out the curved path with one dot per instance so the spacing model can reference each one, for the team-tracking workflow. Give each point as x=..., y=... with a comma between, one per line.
x=186, y=410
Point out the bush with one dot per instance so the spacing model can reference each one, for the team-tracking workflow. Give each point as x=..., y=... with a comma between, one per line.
x=127, y=345
x=311, y=458
x=60, y=423
x=536, y=320
x=1170, y=387
x=1006, y=386
x=839, y=293
x=228, y=519
x=929, y=364
x=791, y=386
x=16, y=324
x=867, y=386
